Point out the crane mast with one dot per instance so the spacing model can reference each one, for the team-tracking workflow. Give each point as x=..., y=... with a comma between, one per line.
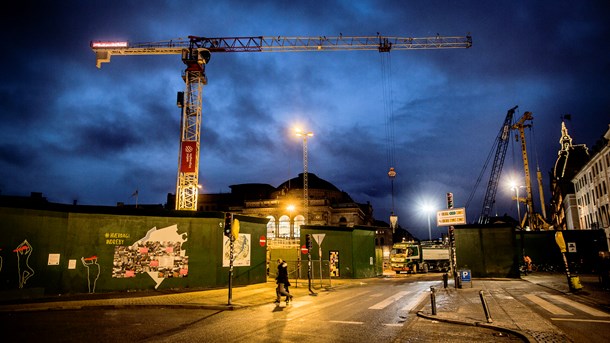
x=196, y=53
x=529, y=203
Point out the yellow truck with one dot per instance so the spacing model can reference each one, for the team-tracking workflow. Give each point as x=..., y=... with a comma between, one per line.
x=415, y=257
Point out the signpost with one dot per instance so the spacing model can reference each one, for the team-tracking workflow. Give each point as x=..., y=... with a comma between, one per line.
x=449, y=217
x=319, y=237
x=573, y=281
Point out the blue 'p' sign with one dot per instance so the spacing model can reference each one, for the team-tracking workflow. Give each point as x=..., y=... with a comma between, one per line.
x=465, y=275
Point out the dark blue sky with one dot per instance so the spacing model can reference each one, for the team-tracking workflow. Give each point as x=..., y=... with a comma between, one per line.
x=72, y=131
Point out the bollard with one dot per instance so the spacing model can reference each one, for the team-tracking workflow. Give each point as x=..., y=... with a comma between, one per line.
x=433, y=300
x=445, y=280
x=485, y=308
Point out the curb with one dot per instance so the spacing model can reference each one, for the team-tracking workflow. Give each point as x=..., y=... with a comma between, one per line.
x=525, y=337
x=131, y=306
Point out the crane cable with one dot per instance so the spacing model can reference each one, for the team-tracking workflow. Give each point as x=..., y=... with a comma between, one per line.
x=388, y=109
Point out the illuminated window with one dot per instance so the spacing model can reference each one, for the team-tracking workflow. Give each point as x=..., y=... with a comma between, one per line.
x=298, y=221
x=271, y=227
x=284, y=228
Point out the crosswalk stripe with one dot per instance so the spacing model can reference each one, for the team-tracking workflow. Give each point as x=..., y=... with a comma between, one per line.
x=415, y=301
x=547, y=305
x=582, y=320
x=579, y=306
x=384, y=303
x=345, y=322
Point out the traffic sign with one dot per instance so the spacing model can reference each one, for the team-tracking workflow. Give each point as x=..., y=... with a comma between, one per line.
x=262, y=241
x=304, y=250
x=453, y=216
x=465, y=275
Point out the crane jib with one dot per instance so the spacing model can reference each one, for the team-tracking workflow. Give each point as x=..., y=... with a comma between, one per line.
x=196, y=51
x=282, y=43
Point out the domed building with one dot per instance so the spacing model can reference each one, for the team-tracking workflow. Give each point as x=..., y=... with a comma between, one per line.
x=284, y=206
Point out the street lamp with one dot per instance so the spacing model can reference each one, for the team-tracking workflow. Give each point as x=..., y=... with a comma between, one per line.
x=428, y=209
x=305, y=135
x=515, y=187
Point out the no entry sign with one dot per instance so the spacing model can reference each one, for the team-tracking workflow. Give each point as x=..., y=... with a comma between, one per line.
x=262, y=241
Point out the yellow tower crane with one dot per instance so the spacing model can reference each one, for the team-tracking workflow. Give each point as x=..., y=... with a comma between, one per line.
x=196, y=53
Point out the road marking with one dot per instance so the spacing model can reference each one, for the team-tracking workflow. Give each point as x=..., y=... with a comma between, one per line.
x=393, y=324
x=383, y=304
x=582, y=320
x=580, y=306
x=556, y=310
x=415, y=301
x=345, y=322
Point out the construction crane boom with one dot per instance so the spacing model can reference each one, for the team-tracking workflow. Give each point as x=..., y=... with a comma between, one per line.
x=196, y=53
x=501, y=144
x=105, y=50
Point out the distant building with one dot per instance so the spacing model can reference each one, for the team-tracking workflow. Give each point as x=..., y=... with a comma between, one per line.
x=570, y=159
x=591, y=186
x=284, y=206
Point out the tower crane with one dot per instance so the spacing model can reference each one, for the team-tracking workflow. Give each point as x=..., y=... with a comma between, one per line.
x=196, y=52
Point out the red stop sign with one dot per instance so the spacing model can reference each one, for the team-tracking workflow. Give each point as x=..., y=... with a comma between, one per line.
x=262, y=241
x=304, y=250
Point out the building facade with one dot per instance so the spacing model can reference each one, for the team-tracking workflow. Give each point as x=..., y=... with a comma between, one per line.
x=591, y=188
x=285, y=208
x=570, y=159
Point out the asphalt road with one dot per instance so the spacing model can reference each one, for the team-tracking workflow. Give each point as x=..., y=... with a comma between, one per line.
x=382, y=310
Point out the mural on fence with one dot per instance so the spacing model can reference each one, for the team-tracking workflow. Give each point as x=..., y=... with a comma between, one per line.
x=93, y=271
x=24, y=251
x=241, y=250
x=159, y=254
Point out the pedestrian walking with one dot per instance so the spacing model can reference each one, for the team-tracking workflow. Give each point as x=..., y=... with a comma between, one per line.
x=282, y=282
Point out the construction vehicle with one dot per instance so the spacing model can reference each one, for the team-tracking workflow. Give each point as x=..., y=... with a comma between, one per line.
x=196, y=53
x=415, y=257
x=535, y=220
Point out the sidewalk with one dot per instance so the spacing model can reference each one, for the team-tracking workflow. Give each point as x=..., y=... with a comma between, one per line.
x=464, y=306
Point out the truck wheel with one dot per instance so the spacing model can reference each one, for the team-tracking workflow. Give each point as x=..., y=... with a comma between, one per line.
x=398, y=272
x=425, y=268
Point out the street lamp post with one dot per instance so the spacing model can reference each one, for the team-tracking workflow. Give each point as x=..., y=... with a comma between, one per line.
x=290, y=209
x=516, y=188
x=428, y=209
x=429, y=228
x=305, y=135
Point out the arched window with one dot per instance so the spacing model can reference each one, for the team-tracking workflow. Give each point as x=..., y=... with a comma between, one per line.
x=284, y=228
x=298, y=221
x=271, y=227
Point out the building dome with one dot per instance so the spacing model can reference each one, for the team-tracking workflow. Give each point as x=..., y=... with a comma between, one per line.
x=317, y=189
x=313, y=182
